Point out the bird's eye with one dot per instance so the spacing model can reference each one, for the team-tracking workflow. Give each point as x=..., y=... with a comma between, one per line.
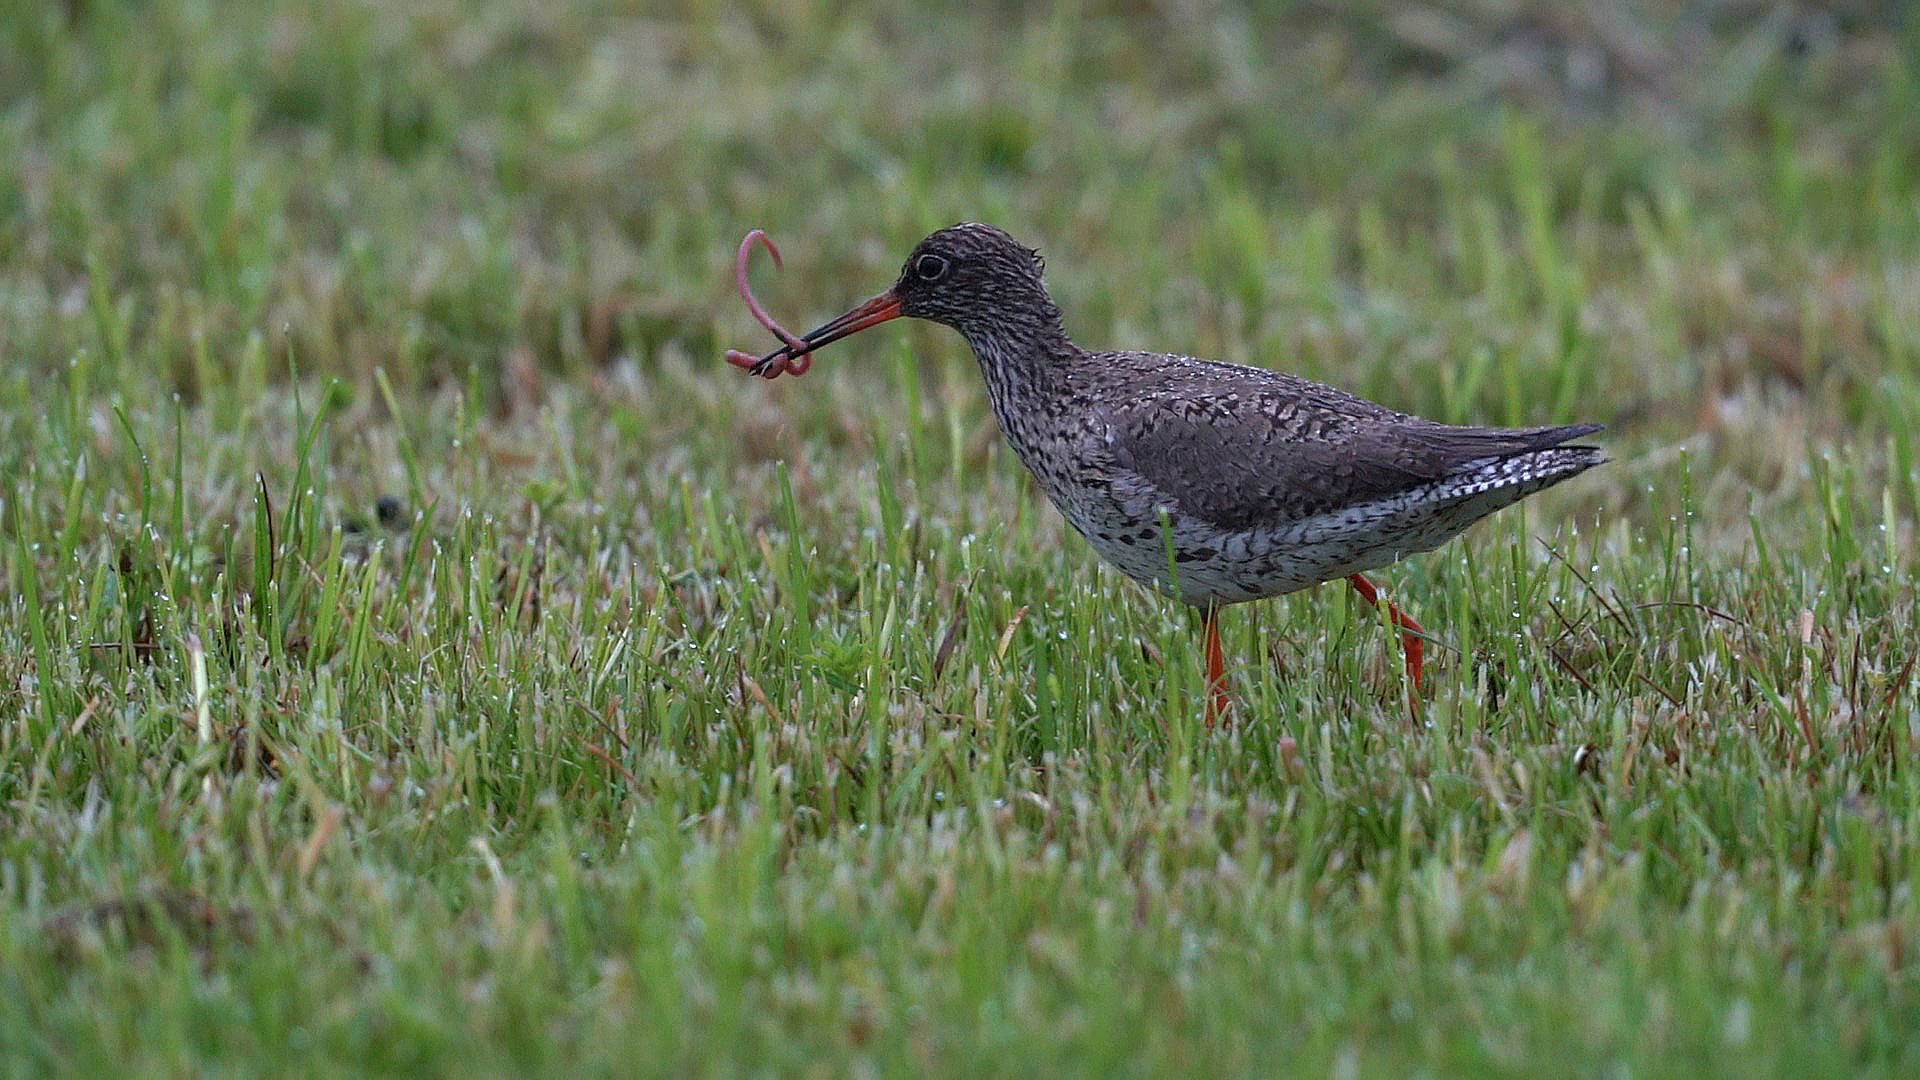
x=930, y=267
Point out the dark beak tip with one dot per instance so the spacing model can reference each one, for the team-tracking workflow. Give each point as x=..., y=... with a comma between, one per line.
x=873, y=312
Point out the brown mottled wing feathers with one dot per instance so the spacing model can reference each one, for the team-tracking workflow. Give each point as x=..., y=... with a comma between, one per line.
x=1241, y=447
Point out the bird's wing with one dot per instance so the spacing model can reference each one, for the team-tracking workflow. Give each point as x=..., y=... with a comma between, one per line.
x=1263, y=448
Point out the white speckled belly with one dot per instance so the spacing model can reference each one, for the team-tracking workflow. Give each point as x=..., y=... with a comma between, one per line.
x=1212, y=565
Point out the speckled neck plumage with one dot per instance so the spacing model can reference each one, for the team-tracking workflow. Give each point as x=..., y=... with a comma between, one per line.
x=1025, y=359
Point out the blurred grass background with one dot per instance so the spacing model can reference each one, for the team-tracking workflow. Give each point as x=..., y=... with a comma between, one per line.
x=423, y=653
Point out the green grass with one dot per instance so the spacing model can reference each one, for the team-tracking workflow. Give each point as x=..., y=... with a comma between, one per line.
x=667, y=721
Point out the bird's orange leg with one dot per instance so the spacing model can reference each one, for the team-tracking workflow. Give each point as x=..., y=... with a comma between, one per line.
x=1219, y=705
x=1410, y=640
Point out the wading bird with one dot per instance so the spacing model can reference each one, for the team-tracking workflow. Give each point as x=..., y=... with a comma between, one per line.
x=1213, y=483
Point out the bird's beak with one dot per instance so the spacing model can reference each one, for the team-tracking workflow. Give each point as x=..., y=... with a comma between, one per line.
x=872, y=313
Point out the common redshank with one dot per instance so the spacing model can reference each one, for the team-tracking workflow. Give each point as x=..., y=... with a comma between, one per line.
x=1213, y=483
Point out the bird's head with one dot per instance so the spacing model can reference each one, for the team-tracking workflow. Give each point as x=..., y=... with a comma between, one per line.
x=967, y=273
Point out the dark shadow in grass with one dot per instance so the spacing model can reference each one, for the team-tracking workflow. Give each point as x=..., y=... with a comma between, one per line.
x=148, y=920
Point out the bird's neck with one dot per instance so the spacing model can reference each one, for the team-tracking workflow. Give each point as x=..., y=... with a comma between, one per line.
x=1023, y=353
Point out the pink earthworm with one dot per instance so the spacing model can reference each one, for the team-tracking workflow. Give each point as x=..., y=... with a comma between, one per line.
x=794, y=359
